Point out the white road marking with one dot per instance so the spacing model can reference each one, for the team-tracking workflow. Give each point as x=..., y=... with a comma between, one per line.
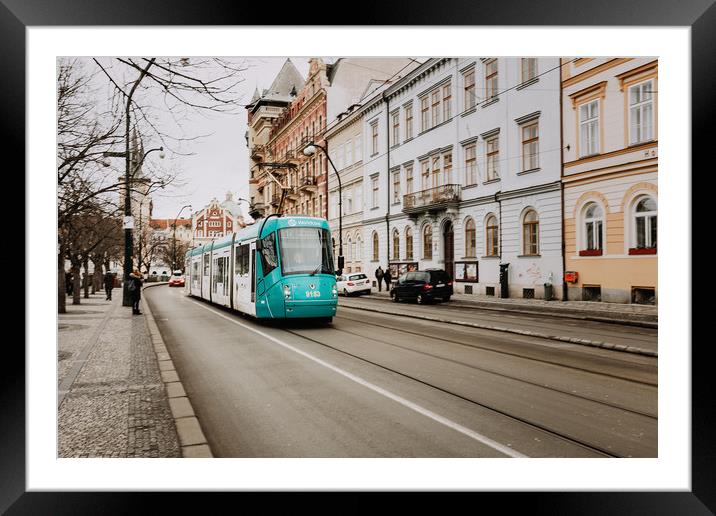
x=406, y=403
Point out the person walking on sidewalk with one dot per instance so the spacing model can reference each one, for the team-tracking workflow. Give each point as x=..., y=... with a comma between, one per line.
x=379, y=277
x=387, y=277
x=108, y=285
x=135, y=290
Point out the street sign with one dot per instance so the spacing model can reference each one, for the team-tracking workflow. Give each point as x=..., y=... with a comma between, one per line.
x=128, y=222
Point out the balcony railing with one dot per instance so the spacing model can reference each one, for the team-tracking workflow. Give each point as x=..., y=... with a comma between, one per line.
x=432, y=199
x=258, y=152
x=291, y=192
x=308, y=182
x=276, y=198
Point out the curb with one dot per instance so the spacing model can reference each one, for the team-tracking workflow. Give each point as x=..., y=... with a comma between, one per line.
x=192, y=441
x=571, y=340
x=551, y=312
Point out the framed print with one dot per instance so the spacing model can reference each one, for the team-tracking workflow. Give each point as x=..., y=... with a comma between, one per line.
x=679, y=36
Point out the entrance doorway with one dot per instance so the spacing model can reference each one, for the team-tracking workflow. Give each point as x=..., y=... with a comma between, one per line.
x=449, y=247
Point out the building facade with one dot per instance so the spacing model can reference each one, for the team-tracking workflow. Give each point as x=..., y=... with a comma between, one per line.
x=216, y=220
x=609, y=112
x=461, y=171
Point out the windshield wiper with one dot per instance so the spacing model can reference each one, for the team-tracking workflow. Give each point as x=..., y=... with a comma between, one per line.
x=316, y=270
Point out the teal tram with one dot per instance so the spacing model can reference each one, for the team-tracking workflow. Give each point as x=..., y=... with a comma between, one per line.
x=281, y=267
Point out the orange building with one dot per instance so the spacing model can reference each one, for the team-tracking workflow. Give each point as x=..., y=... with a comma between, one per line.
x=609, y=176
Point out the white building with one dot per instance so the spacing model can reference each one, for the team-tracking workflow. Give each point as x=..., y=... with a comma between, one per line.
x=461, y=171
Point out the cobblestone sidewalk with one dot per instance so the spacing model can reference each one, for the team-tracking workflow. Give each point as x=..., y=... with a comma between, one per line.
x=112, y=402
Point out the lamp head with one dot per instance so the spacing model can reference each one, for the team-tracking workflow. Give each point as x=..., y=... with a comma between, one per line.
x=310, y=150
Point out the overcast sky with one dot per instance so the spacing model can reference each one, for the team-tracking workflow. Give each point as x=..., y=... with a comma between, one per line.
x=221, y=161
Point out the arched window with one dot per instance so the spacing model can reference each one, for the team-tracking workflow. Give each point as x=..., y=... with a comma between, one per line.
x=350, y=250
x=354, y=251
x=530, y=233
x=492, y=236
x=396, y=244
x=375, y=246
x=645, y=223
x=470, y=243
x=408, y=243
x=593, y=227
x=360, y=248
x=428, y=242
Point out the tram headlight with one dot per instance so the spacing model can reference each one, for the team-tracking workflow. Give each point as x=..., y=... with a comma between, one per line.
x=334, y=291
x=287, y=291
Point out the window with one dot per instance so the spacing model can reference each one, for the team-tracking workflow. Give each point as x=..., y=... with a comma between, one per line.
x=425, y=174
x=470, y=165
x=641, y=113
x=469, y=90
x=436, y=171
x=470, y=245
x=375, y=246
x=374, y=186
x=447, y=169
x=593, y=223
x=436, y=107
x=408, y=243
x=589, y=128
x=396, y=244
x=396, y=186
x=359, y=147
x=645, y=224
x=349, y=247
x=409, y=179
x=408, y=122
x=493, y=158
x=360, y=249
x=424, y=115
x=447, y=102
x=374, y=138
x=491, y=230
x=428, y=242
x=269, y=260
x=206, y=265
x=358, y=189
x=530, y=233
x=349, y=153
x=490, y=78
x=396, y=129
x=530, y=146
x=529, y=68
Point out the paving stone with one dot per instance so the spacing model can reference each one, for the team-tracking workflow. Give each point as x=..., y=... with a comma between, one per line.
x=198, y=451
x=189, y=431
x=175, y=390
x=181, y=407
x=169, y=376
x=166, y=365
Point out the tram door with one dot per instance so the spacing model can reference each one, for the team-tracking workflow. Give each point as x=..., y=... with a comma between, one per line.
x=252, y=272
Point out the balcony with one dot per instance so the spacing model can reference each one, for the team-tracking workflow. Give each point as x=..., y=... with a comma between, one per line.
x=432, y=200
x=292, y=193
x=275, y=198
x=258, y=152
x=308, y=183
x=291, y=157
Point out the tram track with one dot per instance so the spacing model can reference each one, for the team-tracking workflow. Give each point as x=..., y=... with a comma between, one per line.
x=550, y=431
x=493, y=349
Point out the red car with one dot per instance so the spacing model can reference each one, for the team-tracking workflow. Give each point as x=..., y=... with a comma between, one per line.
x=177, y=279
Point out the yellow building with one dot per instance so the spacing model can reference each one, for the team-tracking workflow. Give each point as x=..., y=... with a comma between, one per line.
x=609, y=175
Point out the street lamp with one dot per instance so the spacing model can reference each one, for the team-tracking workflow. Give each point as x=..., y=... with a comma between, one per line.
x=310, y=150
x=174, y=253
x=128, y=238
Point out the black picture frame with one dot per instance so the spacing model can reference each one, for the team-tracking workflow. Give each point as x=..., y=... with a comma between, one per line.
x=17, y=15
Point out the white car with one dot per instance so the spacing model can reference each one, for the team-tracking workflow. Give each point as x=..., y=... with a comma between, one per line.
x=356, y=283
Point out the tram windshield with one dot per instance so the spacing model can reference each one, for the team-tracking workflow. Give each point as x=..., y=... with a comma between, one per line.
x=305, y=251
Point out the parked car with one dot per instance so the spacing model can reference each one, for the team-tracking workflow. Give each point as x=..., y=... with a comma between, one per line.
x=423, y=286
x=355, y=283
x=177, y=279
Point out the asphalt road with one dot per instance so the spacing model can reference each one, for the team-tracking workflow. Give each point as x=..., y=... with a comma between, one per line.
x=375, y=385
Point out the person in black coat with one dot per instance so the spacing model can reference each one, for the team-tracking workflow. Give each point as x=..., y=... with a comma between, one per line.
x=387, y=277
x=108, y=285
x=379, y=277
x=135, y=290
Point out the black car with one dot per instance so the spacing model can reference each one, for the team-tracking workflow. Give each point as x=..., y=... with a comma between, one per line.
x=423, y=286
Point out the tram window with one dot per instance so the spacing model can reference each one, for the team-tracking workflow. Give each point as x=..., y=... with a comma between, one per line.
x=269, y=260
x=242, y=260
x=206, y=265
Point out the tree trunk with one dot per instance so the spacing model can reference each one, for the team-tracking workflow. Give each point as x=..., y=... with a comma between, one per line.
x=97, y=276
x=85, y=279
x=61, y=287
x=77, y=284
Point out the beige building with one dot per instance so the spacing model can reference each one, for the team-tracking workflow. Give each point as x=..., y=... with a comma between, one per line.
x=610, y=165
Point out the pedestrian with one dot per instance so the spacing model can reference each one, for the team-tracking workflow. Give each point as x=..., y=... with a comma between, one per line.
x=387, y=277
x=108, y=285
x=135, y=290
x=379, y=277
